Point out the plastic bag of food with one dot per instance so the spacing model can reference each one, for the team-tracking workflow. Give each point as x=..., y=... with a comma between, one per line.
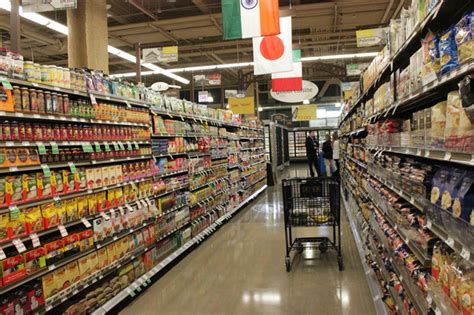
x=448, y=51
x=464, y=35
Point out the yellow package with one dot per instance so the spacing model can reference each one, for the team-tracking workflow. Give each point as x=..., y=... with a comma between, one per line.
x=72, y=210
x=4, y=218
x=17, y=226
x=111, y=198
x=49, y=285
x=50, y=215
x=34, y=220
x=119, y=196
x=73, y=274
x=62, y=212
x=102, y=259
x=112, y=252
x=82, y=207
x=101, y=201
x=92, y=202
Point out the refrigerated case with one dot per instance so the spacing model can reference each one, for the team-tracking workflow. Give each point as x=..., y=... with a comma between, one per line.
x=297, y=136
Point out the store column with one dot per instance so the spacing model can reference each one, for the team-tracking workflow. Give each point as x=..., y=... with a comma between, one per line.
x=88, y=35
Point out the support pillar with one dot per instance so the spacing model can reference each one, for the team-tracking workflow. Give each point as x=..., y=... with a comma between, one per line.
x=15, y=31
x=191, y=90
x=138, y=65
x=88, y=35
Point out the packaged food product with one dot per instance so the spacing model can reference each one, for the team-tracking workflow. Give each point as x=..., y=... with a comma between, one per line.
x=448, y=51
x=82, y=207
x=72, y=210
x=439, y=181
x=34, y=219
x=17, y=226
x=71, y=244
x=13, y=269
x=454, y=179
x=35, y=260
x=86, y=239
x=464, y=199
x=13, y=189
x=4, y=219
x=50, y=215
x=93, y=205
x=49, y=285
x=459, y=129
x=54, y=251
x=433, y=50
x=464, y=37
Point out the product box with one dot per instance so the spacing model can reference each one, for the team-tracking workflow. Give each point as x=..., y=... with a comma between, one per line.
x=61, y=278
x=86, y=240
x=73, y=274
x=110, y=203
x=82, y=179
x=35, y=260
x=13, y=269
x=62, y=211
x=49, y=285
x=69, y=181
x=118, y=173
x=112, y=252
x=98, y=177
x=116, y=218
x=98, y=228
x=3, y=200
x=71, y=244
x=90, y=177
x=102, y=259
x=112, y=175
x=54, y=251
x=34, y=297
x=105, y=176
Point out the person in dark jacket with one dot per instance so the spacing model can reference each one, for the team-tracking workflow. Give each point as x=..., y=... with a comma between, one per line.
x=327, y=155
x=312, y=153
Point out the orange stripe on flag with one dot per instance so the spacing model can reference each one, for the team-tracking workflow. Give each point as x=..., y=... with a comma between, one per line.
x=269, y=18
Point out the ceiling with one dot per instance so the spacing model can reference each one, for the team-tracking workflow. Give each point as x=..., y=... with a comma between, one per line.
x=320, y=27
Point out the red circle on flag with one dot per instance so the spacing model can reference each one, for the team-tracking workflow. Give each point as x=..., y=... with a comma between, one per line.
x=272, y=47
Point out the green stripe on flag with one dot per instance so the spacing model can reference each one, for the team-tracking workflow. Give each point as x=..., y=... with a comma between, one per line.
x=231, y=19
x=296, y=55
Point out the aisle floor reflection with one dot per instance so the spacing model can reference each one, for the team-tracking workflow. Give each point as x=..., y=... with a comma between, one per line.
x=241, y=270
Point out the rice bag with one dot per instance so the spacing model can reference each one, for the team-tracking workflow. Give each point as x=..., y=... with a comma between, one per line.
x=448, y=51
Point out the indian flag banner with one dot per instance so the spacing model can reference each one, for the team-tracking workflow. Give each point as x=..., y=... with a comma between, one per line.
x=250, y=18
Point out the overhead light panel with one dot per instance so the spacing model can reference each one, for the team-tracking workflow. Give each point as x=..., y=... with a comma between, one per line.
x=61, y=28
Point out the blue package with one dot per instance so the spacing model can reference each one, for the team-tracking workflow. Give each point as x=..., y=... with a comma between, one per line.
x=433, y=51
x=448, y=51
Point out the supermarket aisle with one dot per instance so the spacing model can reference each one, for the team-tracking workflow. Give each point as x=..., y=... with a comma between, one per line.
x=240, y=270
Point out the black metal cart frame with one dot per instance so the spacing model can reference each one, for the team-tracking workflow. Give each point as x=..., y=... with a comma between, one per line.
x=312, y=202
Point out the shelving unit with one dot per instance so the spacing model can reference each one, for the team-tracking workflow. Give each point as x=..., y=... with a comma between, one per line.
x=167, y=200
x=388, y=177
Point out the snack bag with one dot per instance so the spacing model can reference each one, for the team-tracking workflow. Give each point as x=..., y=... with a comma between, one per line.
x=34, y=220
x=459, y=129
x=448, y=51
x=92, y=204
x=4, y=219
x=13, y=189
x=61, y=211
x=72, y=210
x=82, y=207
x=433, y=50
x=101, y=201
x=454, y=179
x=464, y=199
x=464, y=37
x=439, y=181
x=57, y=183
x=50, y=215
x=17, y=226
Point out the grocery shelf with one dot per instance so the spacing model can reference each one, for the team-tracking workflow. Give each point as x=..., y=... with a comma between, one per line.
x=170, y=191
x=66, y=143
x=354, y=133
x=167, y=174
x=356, y=161
x=144, y=279
x=62, y=118
x=433, y=154
x=372, y=281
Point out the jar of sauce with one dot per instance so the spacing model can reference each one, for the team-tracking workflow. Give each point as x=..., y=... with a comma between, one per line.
x=17, y=98
x=25, y=99
x=48, y=102
x=41, y=104
x=33, y=100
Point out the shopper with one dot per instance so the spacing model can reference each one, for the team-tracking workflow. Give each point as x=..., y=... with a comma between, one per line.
x=327, y=155
x=335, y=151
x=312, y=153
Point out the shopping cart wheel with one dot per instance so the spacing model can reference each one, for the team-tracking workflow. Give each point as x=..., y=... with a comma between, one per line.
x=323, y=247
x=288, y=264
x=340, y=262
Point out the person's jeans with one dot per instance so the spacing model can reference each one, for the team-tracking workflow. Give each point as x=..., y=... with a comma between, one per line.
x=329, y=163
x=313, y=161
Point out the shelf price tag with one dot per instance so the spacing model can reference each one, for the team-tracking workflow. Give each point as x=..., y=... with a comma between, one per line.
x=136, y=145
x=465, y=253
x=35, y=240
x=447, y=156
x=2, y=254
x=41, y=148
x=72, y=167
x=116, y=146
x=87, y=147
x=93, y=100
x=129, y=146
x=122, y=147
x=20, y=247
x=97, y=147
x=6, y=84
x=450, y=242
x=106, y=147
x=54, y=147
x=46, y=170
x=87, y=224
x=62, y=230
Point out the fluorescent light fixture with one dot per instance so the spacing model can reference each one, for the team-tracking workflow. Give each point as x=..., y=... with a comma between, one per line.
x=246, y=64
x=61, y=28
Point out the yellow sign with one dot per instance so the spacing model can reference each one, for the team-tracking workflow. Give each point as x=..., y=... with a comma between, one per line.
x=304, y=112
x=372, y=37
x=243, y=105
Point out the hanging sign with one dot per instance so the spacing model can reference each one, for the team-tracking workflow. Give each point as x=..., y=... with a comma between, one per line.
x=304, y=112
x=203, y=96
x=160, y=54
x=230, y=93
x=355, y=69
x=244, y=105
x=309, y=91
x=372, y=37
x=214, y=78
x=47, y=5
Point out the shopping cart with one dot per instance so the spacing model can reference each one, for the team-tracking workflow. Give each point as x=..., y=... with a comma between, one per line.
x=312, y=202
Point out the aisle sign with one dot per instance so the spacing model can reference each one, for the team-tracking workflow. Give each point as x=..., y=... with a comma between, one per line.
x=355, y=69
x=372, y=37
x=242, y=106
x=47, y=5
x=203, y=96
x=160, y=54
x=304, y=112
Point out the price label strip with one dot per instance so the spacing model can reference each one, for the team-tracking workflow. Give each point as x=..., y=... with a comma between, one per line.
x=54, y=147
x=35, y=240
x=20, y=247
x=62, y=230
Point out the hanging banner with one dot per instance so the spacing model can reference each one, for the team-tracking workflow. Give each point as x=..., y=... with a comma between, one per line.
x=160, y=54
x=372, y=37
x=244, y=105
x=47, y=5
x=208, y=79
x=355, y=69
x=304, y=112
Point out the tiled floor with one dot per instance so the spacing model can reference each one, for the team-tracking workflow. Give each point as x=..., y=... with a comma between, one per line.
x=240, y=270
